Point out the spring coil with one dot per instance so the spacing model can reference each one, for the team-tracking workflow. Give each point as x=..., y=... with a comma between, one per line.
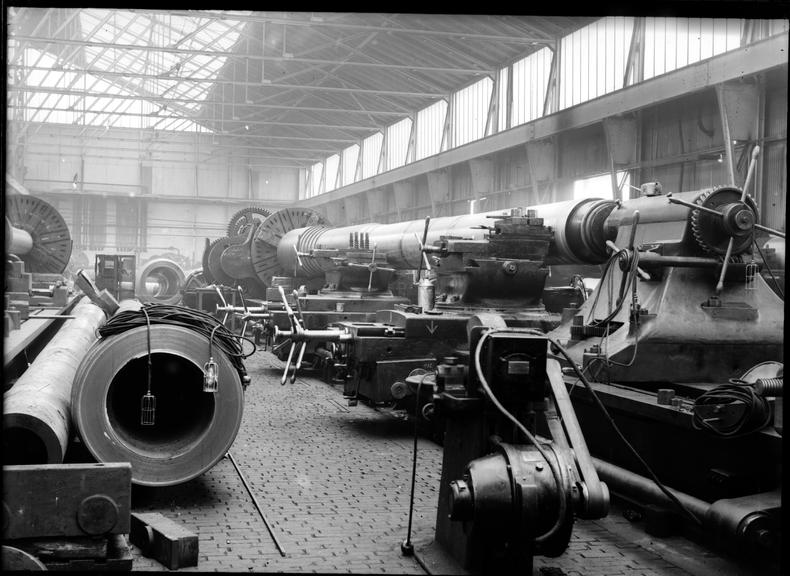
x=767, y=387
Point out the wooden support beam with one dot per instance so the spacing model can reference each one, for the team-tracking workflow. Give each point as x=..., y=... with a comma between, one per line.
x=164, y=540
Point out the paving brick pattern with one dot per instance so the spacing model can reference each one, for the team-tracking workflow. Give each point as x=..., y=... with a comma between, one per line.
x=334, y=484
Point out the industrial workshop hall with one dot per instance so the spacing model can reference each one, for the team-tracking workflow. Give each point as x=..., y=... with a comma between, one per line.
x=395, y=293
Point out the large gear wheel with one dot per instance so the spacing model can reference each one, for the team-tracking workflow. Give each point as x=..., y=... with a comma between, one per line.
x=268, y=235
x=713, y=233
x=240, y=222
x=52, y=243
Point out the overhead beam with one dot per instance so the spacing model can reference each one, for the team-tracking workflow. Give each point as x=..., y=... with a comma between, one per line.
x=516, y=39
x=267, y=85
x=259, y=57
x=735, y=64
x=44, y=194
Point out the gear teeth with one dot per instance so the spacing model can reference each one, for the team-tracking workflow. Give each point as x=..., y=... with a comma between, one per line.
x=695, y=226
x=235, y=220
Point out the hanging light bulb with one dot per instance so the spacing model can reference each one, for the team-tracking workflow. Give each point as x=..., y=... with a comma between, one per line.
x=210, y=383
x=147, y=409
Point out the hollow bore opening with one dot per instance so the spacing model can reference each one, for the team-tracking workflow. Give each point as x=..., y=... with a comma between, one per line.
x=22, y=446
x=183, y=411
x=162, y=283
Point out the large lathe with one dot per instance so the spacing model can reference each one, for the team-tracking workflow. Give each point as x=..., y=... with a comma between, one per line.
x=682, y=342
x=494, y=262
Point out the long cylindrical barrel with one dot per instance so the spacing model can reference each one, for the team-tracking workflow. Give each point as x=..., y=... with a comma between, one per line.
x=17, y=241
x=577, y=227
x=160, y=281
x=396, y=240
x=36, y=411
x=192, y=429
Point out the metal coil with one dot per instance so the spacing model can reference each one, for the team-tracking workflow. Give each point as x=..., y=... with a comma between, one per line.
x=193, y=430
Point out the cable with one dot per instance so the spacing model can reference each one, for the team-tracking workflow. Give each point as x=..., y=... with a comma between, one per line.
x=756, y=416
x=563, y=504
x=205, y=324
x=622, y=437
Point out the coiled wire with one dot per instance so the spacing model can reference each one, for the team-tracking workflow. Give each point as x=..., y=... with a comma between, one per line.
x=756, y=416
x=205, y=324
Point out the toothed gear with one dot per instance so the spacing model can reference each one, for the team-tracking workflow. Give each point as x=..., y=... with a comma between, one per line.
x=709, y=231
x=241, y=220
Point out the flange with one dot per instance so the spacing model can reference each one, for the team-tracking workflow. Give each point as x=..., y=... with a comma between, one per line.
x=52, y=243
x=269, y=234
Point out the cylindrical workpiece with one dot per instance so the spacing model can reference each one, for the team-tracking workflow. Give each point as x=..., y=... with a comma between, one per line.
x=160, y=281
x=36, y=411
x=192, y=429
x=17, y=241
x=578, y=227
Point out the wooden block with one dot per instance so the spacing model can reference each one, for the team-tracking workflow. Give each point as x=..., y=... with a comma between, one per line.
x=164, y=540
x=62, y=500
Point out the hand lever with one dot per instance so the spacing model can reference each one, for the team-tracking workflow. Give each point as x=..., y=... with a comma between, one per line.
x=294, y=330
x=224, y=303
x=631, y=239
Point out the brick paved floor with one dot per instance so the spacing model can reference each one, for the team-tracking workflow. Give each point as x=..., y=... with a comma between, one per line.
x=334, y=484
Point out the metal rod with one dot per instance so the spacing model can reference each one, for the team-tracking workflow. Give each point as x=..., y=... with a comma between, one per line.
x=634, y=485
x=407, y=547
x=770, y=230
x=255, y=502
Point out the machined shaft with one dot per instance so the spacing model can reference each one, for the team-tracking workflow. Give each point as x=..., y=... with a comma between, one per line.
x=37, y=409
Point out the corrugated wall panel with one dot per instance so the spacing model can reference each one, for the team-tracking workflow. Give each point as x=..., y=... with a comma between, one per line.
x=397, y=143
x=774, y=202
x=470, y=110
x=776, y=106
x=593, y=59
x=371, y=149
x=350, y=157
x=332, y=165
x=430, y=123
x=530, y=79
x=671, y=43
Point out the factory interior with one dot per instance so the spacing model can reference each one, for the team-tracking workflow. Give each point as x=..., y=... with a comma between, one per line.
x=394, y=293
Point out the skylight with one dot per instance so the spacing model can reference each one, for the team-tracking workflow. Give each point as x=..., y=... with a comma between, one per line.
x=108, y=81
